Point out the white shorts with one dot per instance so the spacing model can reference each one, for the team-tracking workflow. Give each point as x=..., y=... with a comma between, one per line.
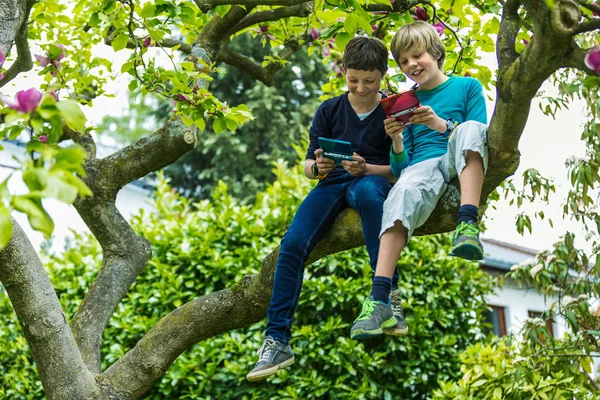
x=414, y=197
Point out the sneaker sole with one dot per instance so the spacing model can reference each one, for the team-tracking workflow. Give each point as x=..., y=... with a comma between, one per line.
x=468, y=252
x=359, y=334
x=265, y=373
x=396, y=331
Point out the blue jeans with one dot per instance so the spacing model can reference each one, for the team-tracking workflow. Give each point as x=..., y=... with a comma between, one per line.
x=312, y=221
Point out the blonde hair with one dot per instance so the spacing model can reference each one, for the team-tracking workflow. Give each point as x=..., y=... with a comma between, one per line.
x=420, y=35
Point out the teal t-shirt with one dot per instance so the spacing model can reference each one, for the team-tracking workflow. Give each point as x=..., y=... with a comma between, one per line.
x=459, y=98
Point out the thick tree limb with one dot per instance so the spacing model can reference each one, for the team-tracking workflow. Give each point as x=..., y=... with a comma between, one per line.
x=59, y=363
x=301, y=10
x=125, y=253
x=214, y=33
x=14, y=15
x=148, y=154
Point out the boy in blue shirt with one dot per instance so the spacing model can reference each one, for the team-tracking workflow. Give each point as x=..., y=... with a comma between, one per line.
x=425, y=156
x=362, y=184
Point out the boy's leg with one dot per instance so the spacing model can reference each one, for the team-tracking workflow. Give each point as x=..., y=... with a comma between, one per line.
x=467, y=158
x=312, y=220
x=409, y=204
x=367, y=195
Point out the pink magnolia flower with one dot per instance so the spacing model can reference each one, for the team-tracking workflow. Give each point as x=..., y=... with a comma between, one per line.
x=420, y=14
x=439, y=27
x=43, y=138
x=592, y=59
x=182, y=97
x=148, y=42
x=314, y=34
x=26, y=101
x=48, y=58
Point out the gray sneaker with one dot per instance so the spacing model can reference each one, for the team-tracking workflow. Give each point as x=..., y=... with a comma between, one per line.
x=401, y=328
x=272, y=356
x=374, y=317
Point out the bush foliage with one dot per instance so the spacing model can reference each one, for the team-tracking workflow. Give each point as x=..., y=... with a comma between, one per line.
x=205, y=246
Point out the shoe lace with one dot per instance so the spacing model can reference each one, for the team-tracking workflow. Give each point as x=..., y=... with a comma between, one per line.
x=264, y=353
x=468, y=229
x=397, y=307
x=367, y=309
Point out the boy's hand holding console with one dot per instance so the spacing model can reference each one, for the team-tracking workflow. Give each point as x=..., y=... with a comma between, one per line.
x=338, y=152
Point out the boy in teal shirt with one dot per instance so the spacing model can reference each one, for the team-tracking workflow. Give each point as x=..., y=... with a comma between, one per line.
x=426, y=155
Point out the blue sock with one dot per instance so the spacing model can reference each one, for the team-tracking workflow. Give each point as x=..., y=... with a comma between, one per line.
x=381, y=289
x=467, y=213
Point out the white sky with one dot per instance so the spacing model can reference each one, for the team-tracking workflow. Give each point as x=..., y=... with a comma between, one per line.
x=544, y=145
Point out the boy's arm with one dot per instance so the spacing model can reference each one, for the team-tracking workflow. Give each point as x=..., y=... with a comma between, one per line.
x=319, y=127
x=476, y=110
x=400, y=161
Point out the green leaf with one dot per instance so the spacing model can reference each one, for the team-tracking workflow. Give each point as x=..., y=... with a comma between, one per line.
x=341, y=40
x=350, y=24
x=35, y=178
x=38, y=217
x=70, y=111
x=59, y=189
x=6, y=227
x=148, y=11
x=120, y=42
x=219, y=125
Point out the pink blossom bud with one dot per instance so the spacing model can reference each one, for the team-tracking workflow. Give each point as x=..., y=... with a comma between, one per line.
x=264, y=28
x=43, y=60
x=525, y=42
x=43, y=138
x=181, y=97
x=439, y=27
x=592, y=59
x=421, y=14
x=467, y=74
x=148, y=42
x=53, y=94
x=314, y=34
x=62, y=53
x=594, y=12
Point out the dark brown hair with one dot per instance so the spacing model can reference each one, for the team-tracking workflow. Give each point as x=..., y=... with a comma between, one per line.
x=365, y=54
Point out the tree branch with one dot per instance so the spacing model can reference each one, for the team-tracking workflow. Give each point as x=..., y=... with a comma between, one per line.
x=577, y=60
x=254, y=69
x=148, y=154
x=588, y=26
x=59, y=363
x=207, y=5
x=14, y=28
x=301, y=10
x=507, y=34
x=166, y=43
x=124, y=253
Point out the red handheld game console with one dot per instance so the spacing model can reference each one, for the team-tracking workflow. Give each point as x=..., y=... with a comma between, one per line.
x=401, y=106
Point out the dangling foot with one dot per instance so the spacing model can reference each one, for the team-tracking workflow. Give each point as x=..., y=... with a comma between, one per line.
x=465, y=243
x=401, y=328
x=374, y=317
x=272, y=356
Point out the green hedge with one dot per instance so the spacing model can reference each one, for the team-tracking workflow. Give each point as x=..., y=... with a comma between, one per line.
x=206, y=246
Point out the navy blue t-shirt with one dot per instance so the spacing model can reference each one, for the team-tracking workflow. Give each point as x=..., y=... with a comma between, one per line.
x=336, y=119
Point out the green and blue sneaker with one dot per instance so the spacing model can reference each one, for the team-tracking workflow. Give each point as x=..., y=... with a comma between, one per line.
x=401, y=328
x=373, y=319
x=465, y=243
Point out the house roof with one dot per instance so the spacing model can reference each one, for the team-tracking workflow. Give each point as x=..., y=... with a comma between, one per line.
x=502, y=255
